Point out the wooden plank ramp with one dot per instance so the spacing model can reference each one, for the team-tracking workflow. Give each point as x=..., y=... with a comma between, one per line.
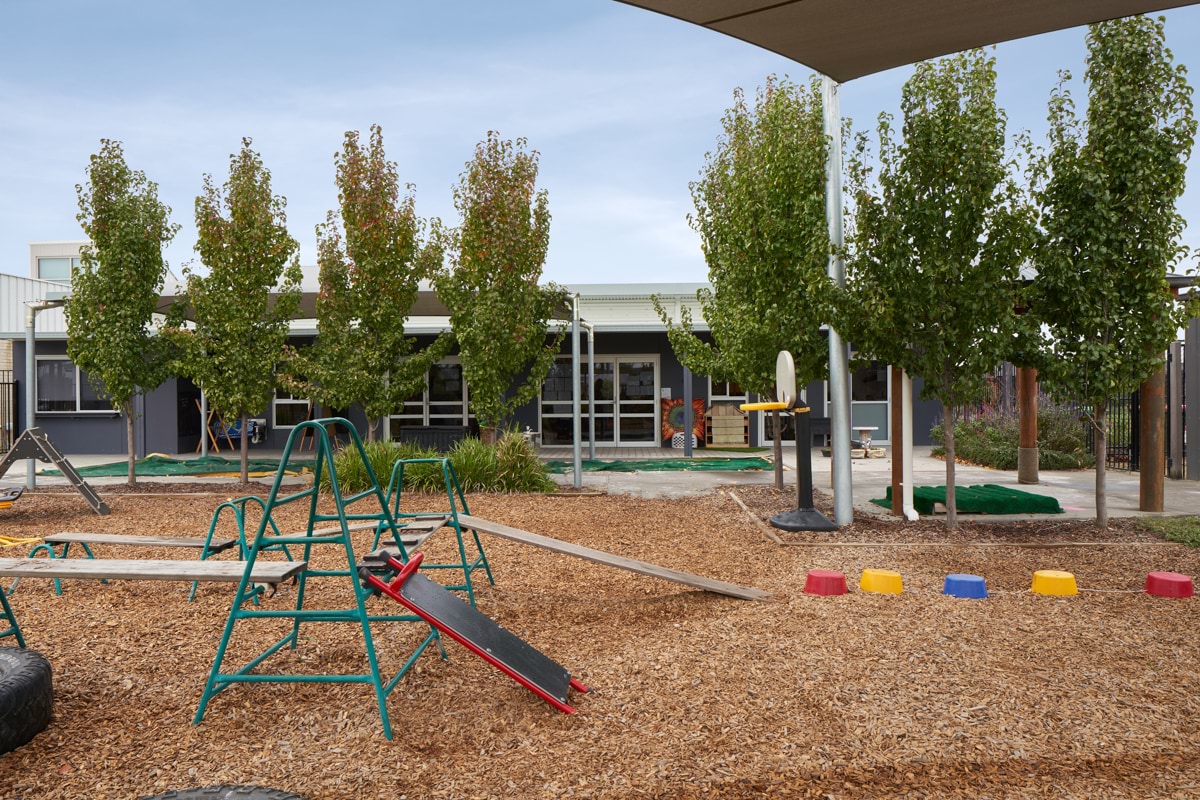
x=612, y=560
x=216, y=546
x=148, y=570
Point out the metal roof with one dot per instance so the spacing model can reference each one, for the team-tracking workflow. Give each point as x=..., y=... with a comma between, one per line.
x=847, y=39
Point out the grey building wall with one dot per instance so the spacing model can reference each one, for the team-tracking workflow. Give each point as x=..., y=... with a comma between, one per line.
x=102, y=432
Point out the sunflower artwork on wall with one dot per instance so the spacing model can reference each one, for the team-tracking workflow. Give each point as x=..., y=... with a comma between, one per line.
x=672, y=419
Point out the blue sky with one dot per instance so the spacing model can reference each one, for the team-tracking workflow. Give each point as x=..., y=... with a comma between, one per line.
x=622, y=105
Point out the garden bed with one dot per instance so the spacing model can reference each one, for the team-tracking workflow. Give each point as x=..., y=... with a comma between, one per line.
x=695, y=695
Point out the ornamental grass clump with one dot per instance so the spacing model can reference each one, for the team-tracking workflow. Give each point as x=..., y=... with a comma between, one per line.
x=511, y=465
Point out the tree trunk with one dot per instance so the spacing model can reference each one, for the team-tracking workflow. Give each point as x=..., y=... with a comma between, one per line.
x=132, y=481
x=777, y=447
x=370, y=429
x=951, y=505
x=245, y=450
x=1100, y=415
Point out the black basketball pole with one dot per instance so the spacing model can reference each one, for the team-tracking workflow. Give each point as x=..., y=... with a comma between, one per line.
x=804, y=517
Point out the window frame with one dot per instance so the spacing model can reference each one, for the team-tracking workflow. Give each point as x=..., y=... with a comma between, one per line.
x=290, y=400
x=80, y=378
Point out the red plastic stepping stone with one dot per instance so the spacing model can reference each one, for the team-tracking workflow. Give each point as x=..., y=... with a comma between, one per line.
x=825, y=582
x=1169, y=584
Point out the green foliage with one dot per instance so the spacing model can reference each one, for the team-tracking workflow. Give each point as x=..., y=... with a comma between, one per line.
x=511, y=465
x=1107, y=189
x=939, y=237
x=992, y=440
x=498, y=312
x=371, y=265
x=1185, y=530
x=117, y=285
x=239, y=335
x=940, y=234
x=760, y=212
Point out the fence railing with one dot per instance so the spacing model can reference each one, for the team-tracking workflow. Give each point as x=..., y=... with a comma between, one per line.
x=8, y=410
x=1123, y=416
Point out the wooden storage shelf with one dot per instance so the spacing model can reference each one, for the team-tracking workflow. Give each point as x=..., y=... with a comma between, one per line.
x=727, y=426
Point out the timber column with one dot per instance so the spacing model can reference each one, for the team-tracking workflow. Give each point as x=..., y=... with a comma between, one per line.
x=1152, y=456
x=1027, y=447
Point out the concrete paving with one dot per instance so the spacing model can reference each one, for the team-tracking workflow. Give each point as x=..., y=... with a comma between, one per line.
x=1075, y=490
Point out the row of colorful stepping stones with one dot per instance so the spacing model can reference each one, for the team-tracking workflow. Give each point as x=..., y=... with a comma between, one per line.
x=828, y=582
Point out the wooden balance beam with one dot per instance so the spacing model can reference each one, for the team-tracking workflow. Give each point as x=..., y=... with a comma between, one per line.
x=270, y=572
x=611, y=559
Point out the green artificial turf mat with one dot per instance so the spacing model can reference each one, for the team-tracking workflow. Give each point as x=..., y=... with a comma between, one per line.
x=987, y=498
x=160, y=466
x=665, y=465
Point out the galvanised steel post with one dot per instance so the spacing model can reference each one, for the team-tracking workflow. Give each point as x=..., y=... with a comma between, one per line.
x=839, y=378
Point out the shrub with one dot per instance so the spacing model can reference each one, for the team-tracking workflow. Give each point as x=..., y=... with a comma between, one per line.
x=992, y=440
x=511, y=465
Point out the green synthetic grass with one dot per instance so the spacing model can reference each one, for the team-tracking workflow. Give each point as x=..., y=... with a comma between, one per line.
x=164, y=466
x=665, y=465
x=986, y=498
x=1185, y=530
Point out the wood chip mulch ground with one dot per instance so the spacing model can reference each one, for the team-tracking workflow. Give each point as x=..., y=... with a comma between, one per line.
x=696, y=695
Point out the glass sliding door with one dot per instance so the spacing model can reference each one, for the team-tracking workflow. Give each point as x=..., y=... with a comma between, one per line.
x=626, y=410
x=637, y=404
x=557, y=426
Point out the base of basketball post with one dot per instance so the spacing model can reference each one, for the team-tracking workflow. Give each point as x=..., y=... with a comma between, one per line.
x=803, y=519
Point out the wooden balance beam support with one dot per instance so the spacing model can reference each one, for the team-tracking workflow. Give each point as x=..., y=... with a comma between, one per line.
x=611, y=559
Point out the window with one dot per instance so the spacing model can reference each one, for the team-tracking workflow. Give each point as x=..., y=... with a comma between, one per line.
x=56, y=269
x=725, y=393
x=63, y=388
x=444, y=401
x=289, y=409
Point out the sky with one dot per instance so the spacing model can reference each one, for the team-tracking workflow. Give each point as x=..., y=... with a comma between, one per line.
x=621, y=104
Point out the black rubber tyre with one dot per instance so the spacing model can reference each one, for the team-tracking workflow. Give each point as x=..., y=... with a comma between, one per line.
x=226, y=793
x=26, y=696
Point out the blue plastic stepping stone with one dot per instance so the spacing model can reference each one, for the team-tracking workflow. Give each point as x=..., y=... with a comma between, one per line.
x=969, y=586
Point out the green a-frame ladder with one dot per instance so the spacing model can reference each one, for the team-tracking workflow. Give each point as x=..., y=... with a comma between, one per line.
x=337, y=537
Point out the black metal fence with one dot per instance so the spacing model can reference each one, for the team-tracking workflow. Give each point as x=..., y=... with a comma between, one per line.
x=1000, y=397
x=8, y=410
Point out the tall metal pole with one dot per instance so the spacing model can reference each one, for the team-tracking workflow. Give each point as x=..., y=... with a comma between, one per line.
x=688, y=425
x=839, y=377
x=576, y=426
x=591, y=392
x=30, y=394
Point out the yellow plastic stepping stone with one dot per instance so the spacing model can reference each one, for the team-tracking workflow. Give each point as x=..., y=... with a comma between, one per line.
x=881, y=581
x=1054, y=582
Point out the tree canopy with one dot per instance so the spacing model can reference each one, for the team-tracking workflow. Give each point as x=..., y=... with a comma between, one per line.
x=760, y=213
x=116, y=287
x=939, y=237
x=1107, y=188
x=240, y=329
x=498, y=312
x=372, y=257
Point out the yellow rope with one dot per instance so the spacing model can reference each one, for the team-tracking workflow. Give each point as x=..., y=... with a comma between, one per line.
x=15, y=541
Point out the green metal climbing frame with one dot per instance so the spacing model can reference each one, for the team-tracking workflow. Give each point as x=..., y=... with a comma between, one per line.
x=458, y=505
x=337, y=537
x=6, y=613
x=237, y=507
